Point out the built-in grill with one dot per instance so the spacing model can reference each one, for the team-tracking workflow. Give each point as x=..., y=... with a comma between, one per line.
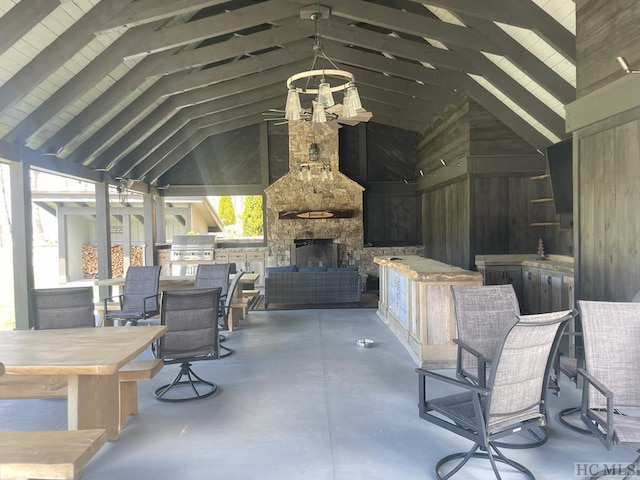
x=187, y=251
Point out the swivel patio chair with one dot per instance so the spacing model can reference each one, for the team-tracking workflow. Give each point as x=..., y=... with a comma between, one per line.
x=611, y=391
x=191, y=317
x=216, y=276
x=139, y=299
x=483, y=313
x=512, y=399
x=226, y=307
x=63, y=308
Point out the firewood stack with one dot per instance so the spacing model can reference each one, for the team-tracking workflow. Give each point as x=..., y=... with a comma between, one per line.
x=90, y=260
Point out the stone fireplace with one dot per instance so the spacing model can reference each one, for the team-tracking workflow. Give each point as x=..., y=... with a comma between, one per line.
x=309, y=204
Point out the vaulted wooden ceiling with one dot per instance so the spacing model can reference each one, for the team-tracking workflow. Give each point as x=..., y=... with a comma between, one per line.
x=131, y=87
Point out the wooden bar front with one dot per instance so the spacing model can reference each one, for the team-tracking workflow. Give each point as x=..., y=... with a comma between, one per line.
x=417, y=306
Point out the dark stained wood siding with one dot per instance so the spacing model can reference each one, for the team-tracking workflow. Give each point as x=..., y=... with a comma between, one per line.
x=445, y=228
x=391, y=154
x=604, y=30
x=231, y=158
x=278, y=138
x=609, y=172
x=499, y=218
x=489, y=136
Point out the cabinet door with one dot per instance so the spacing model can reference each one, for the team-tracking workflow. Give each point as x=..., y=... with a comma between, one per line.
x=255, y=263
x=503, y=275
x=567, y=292
x=530, y=290
x=240, y=259
x=550, y=291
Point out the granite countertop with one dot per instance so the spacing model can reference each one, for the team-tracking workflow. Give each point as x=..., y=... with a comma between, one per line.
x=560, y=263
x=428, y=270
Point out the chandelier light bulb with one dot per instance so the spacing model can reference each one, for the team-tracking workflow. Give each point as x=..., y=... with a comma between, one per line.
x=292, y=108
x=325, y=97
x=318, y=115
x=351, y=102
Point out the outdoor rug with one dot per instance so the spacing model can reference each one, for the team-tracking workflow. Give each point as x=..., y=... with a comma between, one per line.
x=367, y=300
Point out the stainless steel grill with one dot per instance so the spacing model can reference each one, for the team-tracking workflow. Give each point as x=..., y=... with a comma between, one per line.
x=187, y=251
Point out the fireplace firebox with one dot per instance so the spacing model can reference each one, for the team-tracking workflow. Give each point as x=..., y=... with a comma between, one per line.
x=314, y=252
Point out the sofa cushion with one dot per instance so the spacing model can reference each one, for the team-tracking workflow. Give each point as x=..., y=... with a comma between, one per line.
x=286, y=268
x=312, y=269
x=342, y=269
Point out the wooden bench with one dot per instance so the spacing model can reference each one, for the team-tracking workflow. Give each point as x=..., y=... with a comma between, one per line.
x=55, y=386
x=129, y=376
x=250, y=293
x=48, y=455
x=239, y=309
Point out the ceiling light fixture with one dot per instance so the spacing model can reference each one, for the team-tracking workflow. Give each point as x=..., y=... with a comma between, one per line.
x=625, y=66
x=321, y=84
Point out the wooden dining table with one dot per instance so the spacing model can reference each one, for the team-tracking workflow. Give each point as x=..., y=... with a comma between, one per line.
x=89, y=357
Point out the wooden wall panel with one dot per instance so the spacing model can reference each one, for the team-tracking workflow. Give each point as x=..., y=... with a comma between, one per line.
x=489, y=136
x=604, y=30
x=609, y=172
x=231, y=158
x=391, y=154
x=392, y=220
x=446, y=224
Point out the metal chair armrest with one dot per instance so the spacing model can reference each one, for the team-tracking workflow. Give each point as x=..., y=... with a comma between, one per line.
x=602, y=430
x=452, y=381
x=481, y=361
x=144, y=303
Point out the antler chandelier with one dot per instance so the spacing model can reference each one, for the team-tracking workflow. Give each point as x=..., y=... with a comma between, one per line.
x=321, y=84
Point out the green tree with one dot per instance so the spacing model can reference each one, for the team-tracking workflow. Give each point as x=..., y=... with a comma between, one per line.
x=226, y=211
x=252, y=216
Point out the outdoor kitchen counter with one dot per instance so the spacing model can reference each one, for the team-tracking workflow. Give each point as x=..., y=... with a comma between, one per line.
x=416, y=304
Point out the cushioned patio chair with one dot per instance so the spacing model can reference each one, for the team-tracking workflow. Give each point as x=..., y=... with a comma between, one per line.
x=139, y=299
x=216, y=276
x=611, y=391
x=191, y=317
x=483, y=313
x=512, y=399
x=63, y=308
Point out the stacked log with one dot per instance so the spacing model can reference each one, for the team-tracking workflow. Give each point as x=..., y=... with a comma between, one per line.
x=90, y=260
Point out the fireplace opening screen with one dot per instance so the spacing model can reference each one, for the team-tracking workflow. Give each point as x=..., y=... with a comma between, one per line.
x=314, y=252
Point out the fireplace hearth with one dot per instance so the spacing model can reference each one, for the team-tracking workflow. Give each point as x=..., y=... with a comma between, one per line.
x=314, y=252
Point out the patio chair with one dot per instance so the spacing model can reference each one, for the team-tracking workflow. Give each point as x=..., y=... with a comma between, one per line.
x=63, y=308
x=611, y=391
x=226, y=308
x=512, y=399
x=483, y=313
x=216, y=276
x=191, y=317
x=139, y=299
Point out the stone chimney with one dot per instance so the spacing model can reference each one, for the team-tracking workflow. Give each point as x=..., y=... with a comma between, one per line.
x=316, y=205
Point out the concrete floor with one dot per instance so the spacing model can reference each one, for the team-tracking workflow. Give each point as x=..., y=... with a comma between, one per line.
x=299, y=400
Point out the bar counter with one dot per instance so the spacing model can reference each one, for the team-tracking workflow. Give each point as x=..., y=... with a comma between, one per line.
x=417, y=306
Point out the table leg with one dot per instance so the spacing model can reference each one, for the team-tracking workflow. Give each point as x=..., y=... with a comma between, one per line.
x=93, y=403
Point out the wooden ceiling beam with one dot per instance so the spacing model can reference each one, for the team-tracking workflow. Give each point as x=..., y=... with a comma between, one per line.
x=437, y=95
x=524, y=14
x=176, y=102
x=516, y=92
x=21, y=18
x=410, y=23
x=153, y=141
x=503, y=113
x=548, y=79
x=352, y=35
x=141, y=12
x=65, y=46
x=181, y=82
x=121, y=89
x=217, y=25
x=79, y=84
x=193, y=141
x=151, y=161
